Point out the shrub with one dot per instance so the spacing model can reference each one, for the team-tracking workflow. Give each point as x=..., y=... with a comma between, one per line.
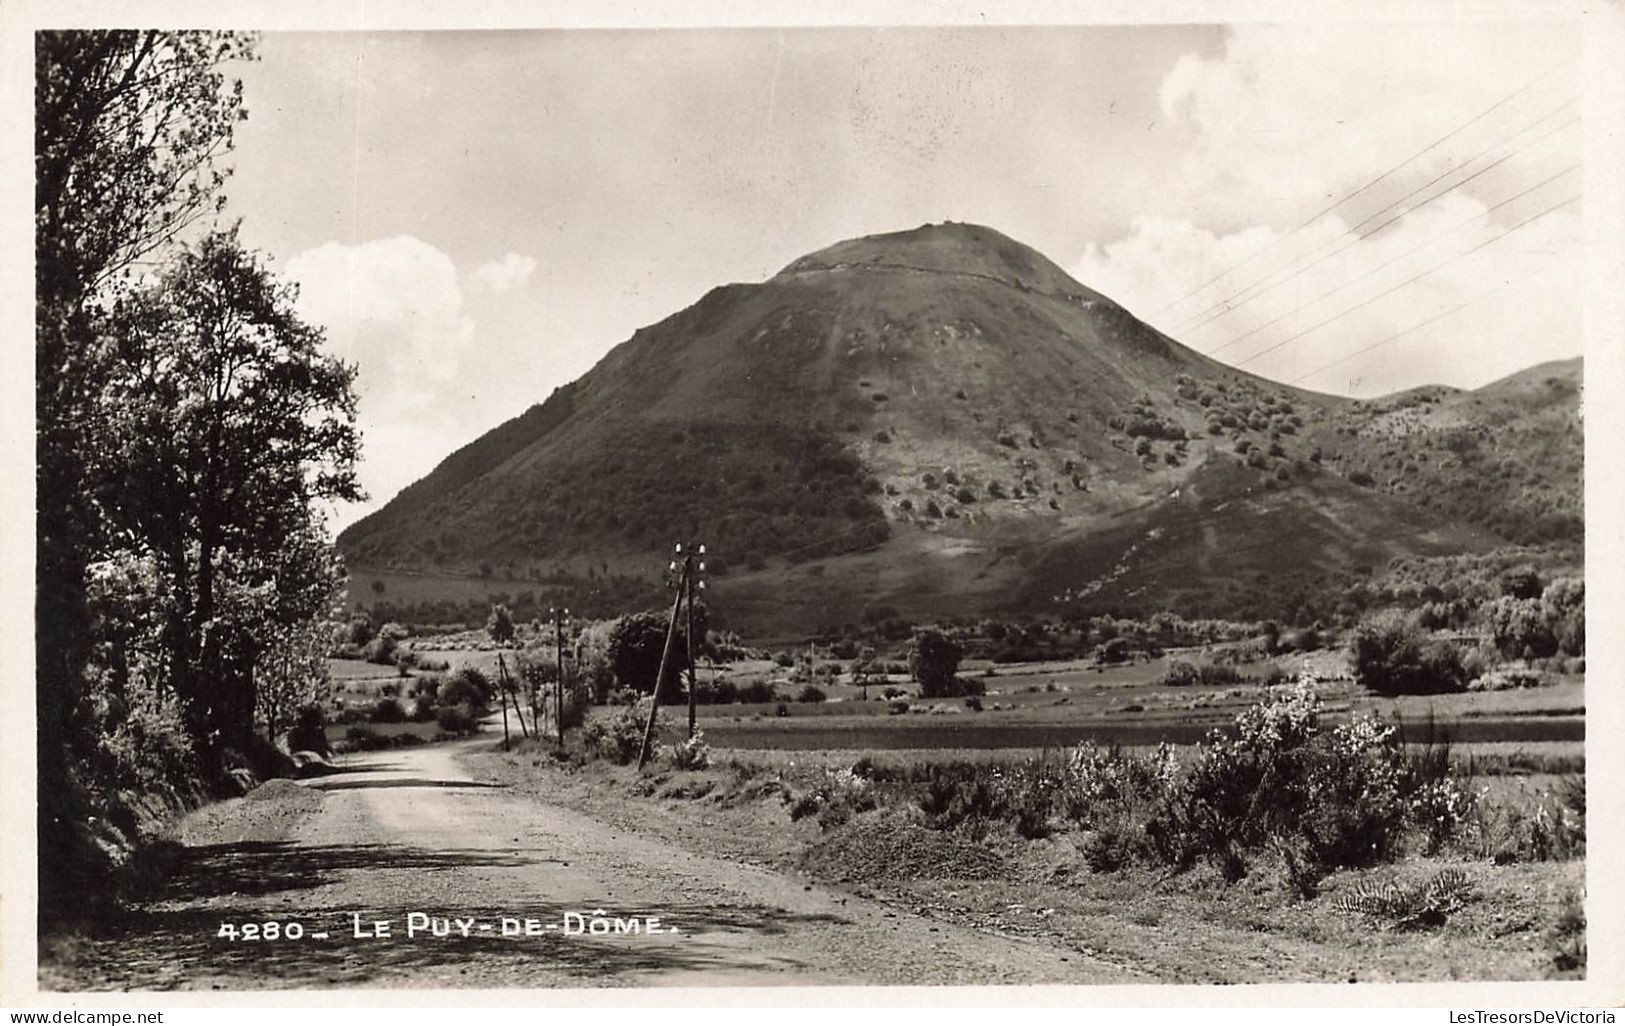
x=423, y=710
x=1180, y=674
x=360, y=739
x=834, y=799
x=1107, y=850
x=470, y=687
x=721, y=691
x=757, y=691
x=1520, y=583
x=387, y=710
x=811, y=693
x=380, y=650
x=1567, y=936
x=1348, y=796
x=1507, y=679
x=309, y=733
x=359, y=631
x=617, y=738
x=1116, y=650
x=691, y=753
x=959, y=794
x=1392, y=657
x=1028, y=795
x=1306, y=640
x=456, y=719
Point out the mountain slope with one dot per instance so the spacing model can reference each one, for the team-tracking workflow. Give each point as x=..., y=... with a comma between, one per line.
x=1508, y=456
x=940, y=420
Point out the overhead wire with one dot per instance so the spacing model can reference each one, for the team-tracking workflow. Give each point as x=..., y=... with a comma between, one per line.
x=1353, y=234
x=1395, y=259
x=1344, y=199
x=1367, y=302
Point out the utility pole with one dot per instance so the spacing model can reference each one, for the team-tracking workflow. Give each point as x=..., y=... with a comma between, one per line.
x=559, y=618
x=502, y=689
x=502, y=670
x=688, y=580
x=685, y=566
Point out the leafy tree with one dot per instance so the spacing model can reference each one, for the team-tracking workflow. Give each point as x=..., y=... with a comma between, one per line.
x=1521, y=582
x=500, y=625
x=288, y=638
x=1565, y=603
x=128, y=129
x=230, y=424
x=635, y=645
x=866, y=670
x=933, y=660
x=1392, y=657
x=128, y=126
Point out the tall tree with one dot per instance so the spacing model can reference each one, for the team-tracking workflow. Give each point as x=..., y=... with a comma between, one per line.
x=234, y=423
x=129, y=127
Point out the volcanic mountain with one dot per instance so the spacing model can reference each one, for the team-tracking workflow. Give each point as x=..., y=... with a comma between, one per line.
x=941, y=421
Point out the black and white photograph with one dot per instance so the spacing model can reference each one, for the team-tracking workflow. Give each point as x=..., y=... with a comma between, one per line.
x=939, y=499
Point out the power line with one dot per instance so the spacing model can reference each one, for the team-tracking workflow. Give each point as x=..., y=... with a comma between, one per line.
x=1424, y=150
x=1393, y=260
x=1247, y=294
x=1408, y=281
x=1398, y=334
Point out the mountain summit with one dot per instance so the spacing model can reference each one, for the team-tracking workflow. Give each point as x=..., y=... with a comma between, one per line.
x=938, y=420
x=965, y=250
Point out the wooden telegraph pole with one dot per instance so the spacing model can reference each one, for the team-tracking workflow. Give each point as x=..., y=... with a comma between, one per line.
x=686, y=566
x=688, y=639
x=502, y=686
x=559, y=618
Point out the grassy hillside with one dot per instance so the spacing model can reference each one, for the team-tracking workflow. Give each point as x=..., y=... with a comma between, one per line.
x=1508, y=456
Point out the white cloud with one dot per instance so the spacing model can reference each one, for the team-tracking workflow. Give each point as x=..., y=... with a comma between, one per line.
x=393, y=307
x=1288, y=119
x=511, y=272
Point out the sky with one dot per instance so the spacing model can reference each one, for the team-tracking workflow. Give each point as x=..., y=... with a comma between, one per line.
x=477, y=217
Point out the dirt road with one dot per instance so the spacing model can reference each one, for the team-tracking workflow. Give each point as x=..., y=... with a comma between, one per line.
x=408, y=832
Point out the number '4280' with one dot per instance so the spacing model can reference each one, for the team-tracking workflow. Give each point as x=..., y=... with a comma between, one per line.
x=269, y=930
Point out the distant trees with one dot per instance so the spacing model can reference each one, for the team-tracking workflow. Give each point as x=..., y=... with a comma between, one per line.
x=1393, y=657
x=1534, y=628
x=866, y=670
x=933, y=660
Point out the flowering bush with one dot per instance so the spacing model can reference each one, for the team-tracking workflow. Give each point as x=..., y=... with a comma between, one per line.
x=1439, y=808
x=834, y=799
x=691, y=753
x=1100, y=782
x=1339, y=797
x=617, y=738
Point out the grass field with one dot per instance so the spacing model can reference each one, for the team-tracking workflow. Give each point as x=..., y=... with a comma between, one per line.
x=1058, y=705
